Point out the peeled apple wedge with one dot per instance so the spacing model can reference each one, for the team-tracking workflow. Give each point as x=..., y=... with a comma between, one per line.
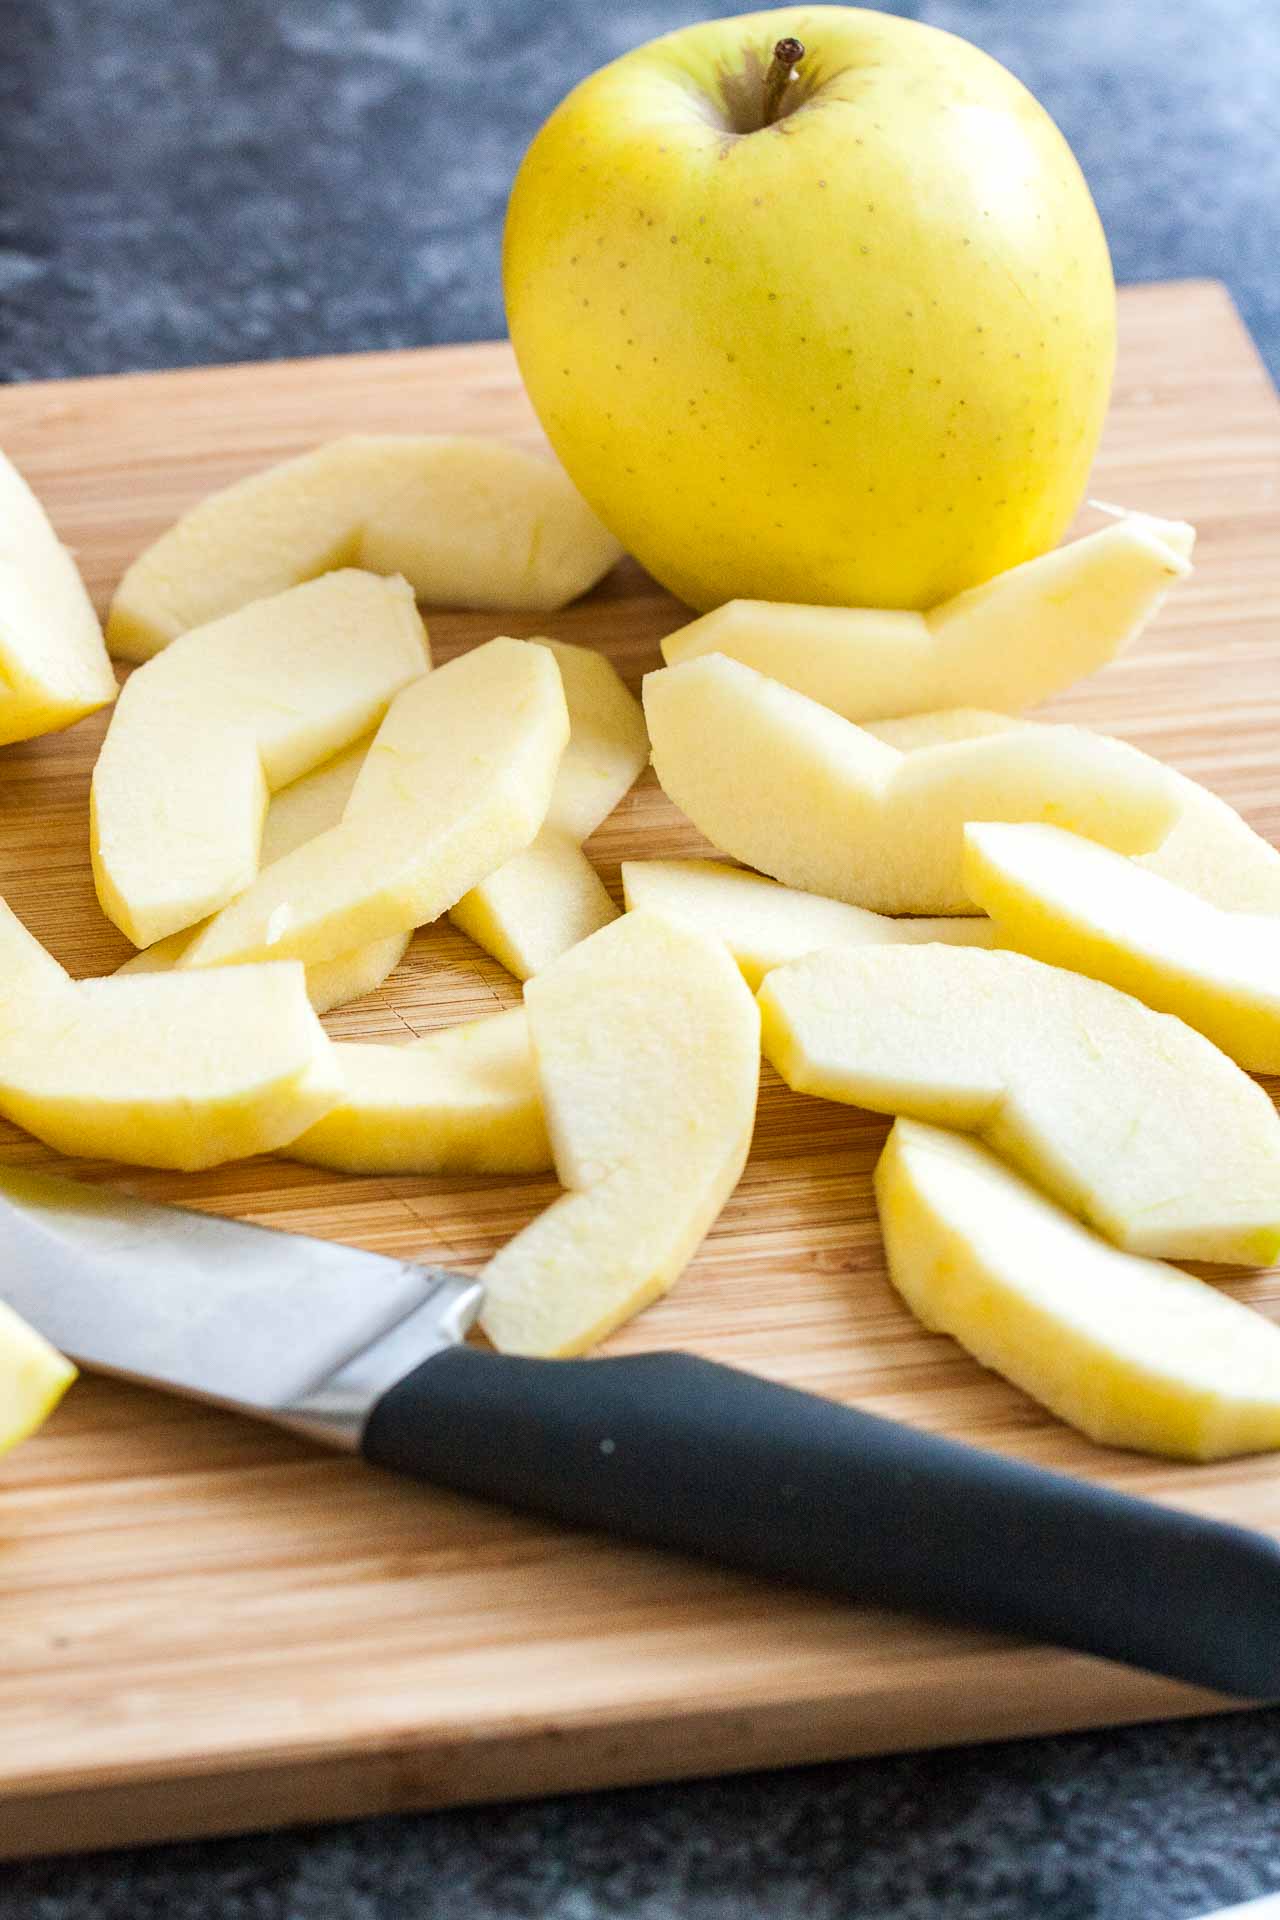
x=548, y=898
x=1074, y=904
x=33, y=1378
x=28, y=971
x=330, y=983
x=647, y=1047
x=1128, y=1118
x=1009, y=643
x=470, y=521
x=1129, y=1351
x=1209, y=849
x=53, y=664
x=313, y=803
x=170, y=1070
x=297, y=813
x=787, y=786
x=941, y=728
x=608, y=746
x=536, y=906
x=763, y=925
x=458, y=779
x=464, y=1100
x=1216, y=854
x=233, y=710
x=482, y=524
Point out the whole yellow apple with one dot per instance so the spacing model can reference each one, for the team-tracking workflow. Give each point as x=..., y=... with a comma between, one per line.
x=813, y=304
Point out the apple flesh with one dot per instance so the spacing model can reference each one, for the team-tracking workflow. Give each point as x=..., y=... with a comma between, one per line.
x=312, y=803
x=1126, y=1117
x=849, y=344
x=33, y=1375
x=1216, y=854
x=1074, y=904
x=548, y=898
x=764, y=925
x=309, y=805
x=296, y=814
x=458, y=779
x=647, y=1047
x=330, y=983
x=536, y=905
x=203, y=733
x=485, y=525
x=53, y=664
x=1210, y=850
x=789, y=787
x=1131, y=1352
x=464, y=1100
x=942, y=728
x=166, y=1070
x=470, y=521
x=608, y=747
x=1009, y=644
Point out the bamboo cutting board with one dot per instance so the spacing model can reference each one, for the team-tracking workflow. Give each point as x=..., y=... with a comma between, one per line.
x=207, y=1626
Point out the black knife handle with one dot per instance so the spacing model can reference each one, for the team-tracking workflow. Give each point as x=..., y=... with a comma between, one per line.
x=680, y=1452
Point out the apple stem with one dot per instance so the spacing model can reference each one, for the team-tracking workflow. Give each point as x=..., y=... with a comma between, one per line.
x=787, y=56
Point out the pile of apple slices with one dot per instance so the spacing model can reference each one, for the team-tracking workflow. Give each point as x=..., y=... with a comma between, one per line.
x=1090, y=1032
x=287, y=789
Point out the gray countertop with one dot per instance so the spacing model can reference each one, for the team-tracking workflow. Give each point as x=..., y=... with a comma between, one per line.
x=212, y=180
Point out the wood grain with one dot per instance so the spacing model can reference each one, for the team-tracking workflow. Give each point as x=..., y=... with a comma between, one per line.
x=208, y=1626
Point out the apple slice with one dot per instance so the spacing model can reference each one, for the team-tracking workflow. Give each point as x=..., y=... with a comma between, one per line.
x=330, y=983
x=1131, y=1352
x=944, y=726
x=1209, y=849
x=458, y=779
x=1074, y=904
x=234, y=709
x=312, y=803
x=608, y=746
x=536, y=906
x=763, y=925
x=28, y=971
x=33, y=1375
x=463, y=1100
x=297, y=813
x=53, y=665
x=1127, y=1117
x=647, y=1046
x=1009, y=643
x=787, y=786
x=466, y=517
x=481, y=524
x=1217, y=855
x=170, y=1070
x=550, y=897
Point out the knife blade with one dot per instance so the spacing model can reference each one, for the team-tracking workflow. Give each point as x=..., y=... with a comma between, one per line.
x=369, y=1354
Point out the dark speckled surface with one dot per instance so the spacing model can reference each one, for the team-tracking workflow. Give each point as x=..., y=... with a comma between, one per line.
x=208, y=180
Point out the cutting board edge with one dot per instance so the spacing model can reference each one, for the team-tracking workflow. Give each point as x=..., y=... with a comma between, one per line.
x=401, y=1775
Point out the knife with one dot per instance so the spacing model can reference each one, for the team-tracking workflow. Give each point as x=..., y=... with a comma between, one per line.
x=369, y=1354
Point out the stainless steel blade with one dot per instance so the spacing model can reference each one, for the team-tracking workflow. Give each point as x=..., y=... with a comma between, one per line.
x=277, y=1323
